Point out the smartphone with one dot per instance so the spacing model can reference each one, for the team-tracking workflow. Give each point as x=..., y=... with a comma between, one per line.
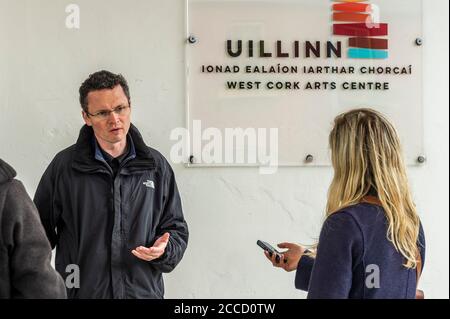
x=267, y=247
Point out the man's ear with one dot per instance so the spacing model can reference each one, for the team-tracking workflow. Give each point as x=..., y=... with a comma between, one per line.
x=86, y=118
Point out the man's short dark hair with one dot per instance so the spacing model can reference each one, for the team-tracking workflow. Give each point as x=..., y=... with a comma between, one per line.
x=101, y=80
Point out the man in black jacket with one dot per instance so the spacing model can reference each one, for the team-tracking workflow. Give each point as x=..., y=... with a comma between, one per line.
x=110, y=203
x=25, y=270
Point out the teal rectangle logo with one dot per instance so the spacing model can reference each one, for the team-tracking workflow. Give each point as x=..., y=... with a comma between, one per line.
x=358, y=53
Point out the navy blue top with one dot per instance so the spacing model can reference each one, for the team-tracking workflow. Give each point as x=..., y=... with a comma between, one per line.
x=353, y=249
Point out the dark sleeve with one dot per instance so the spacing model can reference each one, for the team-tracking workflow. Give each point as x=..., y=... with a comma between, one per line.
x=303, y=273
x=422, y=246
x=340, y=247
x=32, y=275
x=44, y=198
x=173, y=222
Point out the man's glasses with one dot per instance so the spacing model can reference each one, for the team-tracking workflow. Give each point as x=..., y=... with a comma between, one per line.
x=103, y=115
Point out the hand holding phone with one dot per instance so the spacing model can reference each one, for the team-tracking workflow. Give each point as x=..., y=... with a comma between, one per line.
x=267, y=247
x=291, y=257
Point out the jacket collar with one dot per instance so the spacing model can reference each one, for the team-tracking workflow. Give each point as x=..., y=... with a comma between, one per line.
x=85, y=158
x=130, y=151
x=7, y=173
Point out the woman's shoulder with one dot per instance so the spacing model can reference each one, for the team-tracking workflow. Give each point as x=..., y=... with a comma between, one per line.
x=361, y=216
x=342, y=230
x=362, y=212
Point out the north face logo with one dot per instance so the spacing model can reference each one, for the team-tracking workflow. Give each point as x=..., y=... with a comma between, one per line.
x=149, y=184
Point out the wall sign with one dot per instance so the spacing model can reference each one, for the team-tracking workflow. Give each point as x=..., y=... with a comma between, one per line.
x=295, y=65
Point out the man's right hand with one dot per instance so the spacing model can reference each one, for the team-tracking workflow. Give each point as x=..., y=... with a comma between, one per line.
x=289, y=259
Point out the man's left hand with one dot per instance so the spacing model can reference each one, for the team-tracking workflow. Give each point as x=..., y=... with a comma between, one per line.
x=153, y=252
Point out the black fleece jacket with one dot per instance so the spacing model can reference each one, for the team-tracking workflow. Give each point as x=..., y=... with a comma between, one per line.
x=25, y=253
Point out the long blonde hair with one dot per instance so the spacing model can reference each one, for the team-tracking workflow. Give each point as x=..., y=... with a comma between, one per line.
x=366, y=156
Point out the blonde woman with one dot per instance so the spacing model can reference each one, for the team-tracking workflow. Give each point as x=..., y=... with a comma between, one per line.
x=372, y=243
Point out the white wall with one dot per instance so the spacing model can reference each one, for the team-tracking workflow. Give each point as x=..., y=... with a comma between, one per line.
x=42, y=65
